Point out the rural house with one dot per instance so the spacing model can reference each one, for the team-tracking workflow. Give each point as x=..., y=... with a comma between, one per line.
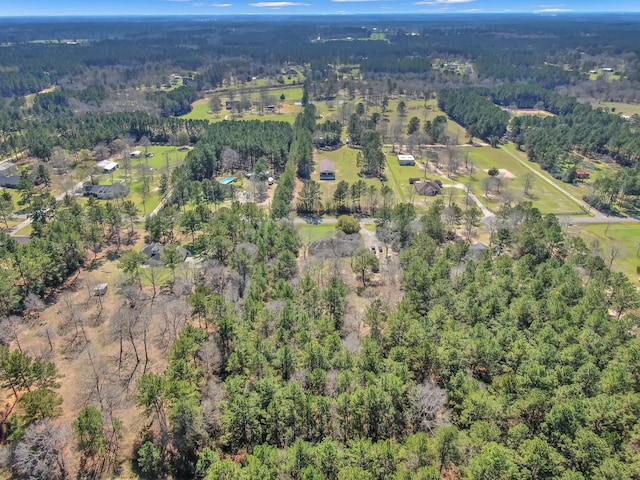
x=327, y=169
x=106, y=192
x=406, y=160
x=7, y=169
x=429, y=188
x=9, y=182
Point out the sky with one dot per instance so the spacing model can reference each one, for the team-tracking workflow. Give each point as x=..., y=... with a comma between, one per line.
x=290, y=7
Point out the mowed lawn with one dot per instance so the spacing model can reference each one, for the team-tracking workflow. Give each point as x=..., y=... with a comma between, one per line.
x=165, y=159
x=398, y=177
x=578, y=189
x=619, y=107
x=543, y=196
x=346, y=169
x=622, y=236
x=286, y=113
x=424, y=111
x=313, y=232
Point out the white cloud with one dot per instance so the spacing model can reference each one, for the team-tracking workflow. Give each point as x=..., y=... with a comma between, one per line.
x=553, y=10
x=354, y=1
x=278, y=4
x=221, y=5
x=442, y=2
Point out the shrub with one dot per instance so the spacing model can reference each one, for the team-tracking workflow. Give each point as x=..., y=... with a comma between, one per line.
x=348, y=224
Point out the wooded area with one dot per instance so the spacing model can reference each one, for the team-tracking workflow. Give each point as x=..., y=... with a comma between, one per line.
x=260, y=321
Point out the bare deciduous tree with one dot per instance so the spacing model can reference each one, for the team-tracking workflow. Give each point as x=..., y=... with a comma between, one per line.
x=39, y=454
x=428, y=406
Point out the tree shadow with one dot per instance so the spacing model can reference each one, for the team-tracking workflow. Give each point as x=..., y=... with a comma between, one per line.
x=96, y=263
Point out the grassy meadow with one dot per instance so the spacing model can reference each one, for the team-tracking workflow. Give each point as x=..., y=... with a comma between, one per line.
x=624, y=237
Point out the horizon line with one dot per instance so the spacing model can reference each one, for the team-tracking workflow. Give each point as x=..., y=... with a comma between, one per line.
x=336, y=14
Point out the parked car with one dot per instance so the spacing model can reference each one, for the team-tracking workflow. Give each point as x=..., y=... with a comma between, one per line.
x=380, y=248
x=373, y=248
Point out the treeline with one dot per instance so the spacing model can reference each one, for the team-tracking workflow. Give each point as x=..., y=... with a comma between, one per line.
x=550, y=140
x=249, y=140
x=577, y=127
x=517, y=66
x=619, y=189
x=56, y=103
x=476, y=112
x=74, y=133
x=300, y=161
x=328, y=134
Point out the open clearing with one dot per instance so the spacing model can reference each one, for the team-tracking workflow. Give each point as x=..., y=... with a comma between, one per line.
x=619, y=107
x=543, y=196
x=622, y=236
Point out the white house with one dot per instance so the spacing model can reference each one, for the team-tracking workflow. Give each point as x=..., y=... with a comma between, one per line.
x=406, y=160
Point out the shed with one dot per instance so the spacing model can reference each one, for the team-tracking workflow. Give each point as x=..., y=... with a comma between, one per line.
x=136, y=154
x=100, y=290
x=406, y=160
x=429, y=188
x=327, y=169
x=8, y=169
x=107, y=166
x=582, y=174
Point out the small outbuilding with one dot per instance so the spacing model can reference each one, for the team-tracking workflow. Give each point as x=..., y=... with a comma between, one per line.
x=100, y=290
x=107, y=166
x=327, y=169
x=8, y=169
x=406, y=160
x=582, y=174
x=136, y=154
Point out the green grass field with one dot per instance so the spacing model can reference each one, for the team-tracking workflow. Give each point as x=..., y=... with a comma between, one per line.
x=311, y=233
x=346, y=169
x=286, y=113
x=610, y=76
x=619, y=107
x=425, y=111
x=165, y=159
x=398, y=177
x=624, y=236
x=543, y=196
